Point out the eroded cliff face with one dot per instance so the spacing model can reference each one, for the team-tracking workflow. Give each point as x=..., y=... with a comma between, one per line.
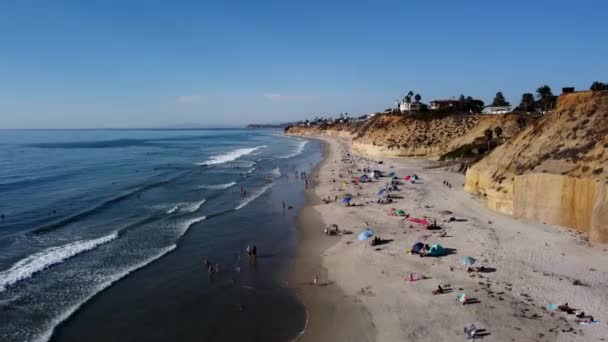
x=555, y=170
x=406, y=136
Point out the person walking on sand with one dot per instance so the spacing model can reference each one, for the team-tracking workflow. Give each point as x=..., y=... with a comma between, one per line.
x=283, y=205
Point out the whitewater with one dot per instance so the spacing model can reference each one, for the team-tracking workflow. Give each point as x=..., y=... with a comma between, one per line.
x=230, y=156
x=37, y=262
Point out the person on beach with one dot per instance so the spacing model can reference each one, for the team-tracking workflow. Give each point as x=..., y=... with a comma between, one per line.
x=283, y=205
x=252, y=251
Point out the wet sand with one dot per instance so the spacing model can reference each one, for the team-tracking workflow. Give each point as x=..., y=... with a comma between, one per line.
x=364, y=296
x=332, y=315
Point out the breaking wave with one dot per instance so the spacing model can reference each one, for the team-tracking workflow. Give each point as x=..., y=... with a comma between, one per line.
x=297, y=151
x=173, y=209
x=276, y=173
x=27, y=267
x=253, y=196
x=217, y=186
x=192, y=207
x=46, y=336
x=230, y=156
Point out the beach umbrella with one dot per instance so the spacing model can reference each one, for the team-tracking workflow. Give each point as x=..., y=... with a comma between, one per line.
x=417, y=247
x=467, y=261
x=346, y=200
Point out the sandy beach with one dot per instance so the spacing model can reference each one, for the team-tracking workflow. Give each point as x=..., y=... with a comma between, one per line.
x=362, y=294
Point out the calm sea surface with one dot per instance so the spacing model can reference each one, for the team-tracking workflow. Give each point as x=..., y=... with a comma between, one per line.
x=104, y=233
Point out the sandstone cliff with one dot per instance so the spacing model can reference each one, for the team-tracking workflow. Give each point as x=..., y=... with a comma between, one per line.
x=417, y=136
x=555, y=170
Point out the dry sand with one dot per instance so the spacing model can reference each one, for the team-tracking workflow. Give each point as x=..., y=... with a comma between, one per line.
x=362, y=294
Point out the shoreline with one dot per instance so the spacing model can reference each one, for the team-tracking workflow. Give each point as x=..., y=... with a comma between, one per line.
x=331, y=314
x=532, y=264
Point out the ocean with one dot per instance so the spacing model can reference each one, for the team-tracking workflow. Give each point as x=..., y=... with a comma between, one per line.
x=103, y=234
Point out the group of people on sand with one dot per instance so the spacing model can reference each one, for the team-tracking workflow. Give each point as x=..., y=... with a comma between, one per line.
x=448, y=184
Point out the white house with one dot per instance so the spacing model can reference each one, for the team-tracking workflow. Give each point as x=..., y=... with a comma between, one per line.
x=496, y=110
x=409, y=107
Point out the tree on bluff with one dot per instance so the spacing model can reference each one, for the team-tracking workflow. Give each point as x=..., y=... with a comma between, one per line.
x=499, y=100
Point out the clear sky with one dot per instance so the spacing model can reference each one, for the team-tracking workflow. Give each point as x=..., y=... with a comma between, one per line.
x=155, y=63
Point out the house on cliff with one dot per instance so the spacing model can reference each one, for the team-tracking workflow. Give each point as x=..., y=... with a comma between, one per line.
x=405, y=107
x=496, y=110
x=442, y=104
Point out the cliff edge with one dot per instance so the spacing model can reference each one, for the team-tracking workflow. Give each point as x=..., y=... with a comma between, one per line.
x=418, y=135
x=555, y=170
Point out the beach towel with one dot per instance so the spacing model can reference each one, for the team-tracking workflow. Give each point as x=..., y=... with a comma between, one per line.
x=407, y=178
x=413, y=277
x=418, y=220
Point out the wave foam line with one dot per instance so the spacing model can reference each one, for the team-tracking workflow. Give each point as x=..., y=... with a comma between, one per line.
x=173, y=209
x=253, y=196
x=37, y=262
x=297, y=151
x=217, y=186
x=230, y=156
x=276, y=173
x=46, y=336
x=194, y=206
x=188, y=223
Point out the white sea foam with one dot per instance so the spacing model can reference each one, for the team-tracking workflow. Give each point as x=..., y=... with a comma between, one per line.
x=230, y=156
x=276, y=173
x=298, y=150
x=173, y=209
x=185, y=225
x=46, y=335
x=192, y=207
x=217, y=186
x=253, y=196
x=27, y=267
x=250, y=170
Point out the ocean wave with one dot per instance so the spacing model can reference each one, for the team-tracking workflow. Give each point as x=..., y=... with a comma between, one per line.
x=253, y=196
x=297, y=151
x=276, y=173
x=173, y=209
x=186, y=224
x=48, y=333
x=230, y=156
x=217, y=186
x=250, y=170
x=27, y=267
x=192, y=207
x=101, y=206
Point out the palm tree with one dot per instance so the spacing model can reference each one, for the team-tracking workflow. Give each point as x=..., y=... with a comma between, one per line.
x=417, y=97
x=488, y=133
x=545, y=97
x=498, y=132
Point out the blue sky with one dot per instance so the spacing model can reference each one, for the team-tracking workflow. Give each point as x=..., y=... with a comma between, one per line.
x=154, y=63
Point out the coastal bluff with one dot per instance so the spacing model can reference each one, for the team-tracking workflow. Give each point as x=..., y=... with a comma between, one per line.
x=421, y=136
x=555, y=170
